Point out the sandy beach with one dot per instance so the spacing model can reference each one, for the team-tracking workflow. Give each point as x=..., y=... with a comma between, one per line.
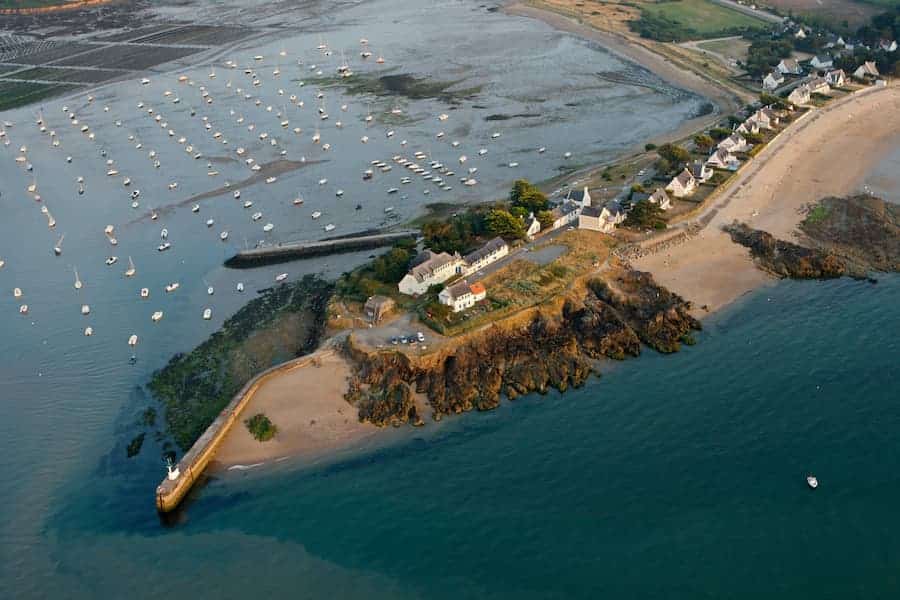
x=308, y=408
x=827, y=153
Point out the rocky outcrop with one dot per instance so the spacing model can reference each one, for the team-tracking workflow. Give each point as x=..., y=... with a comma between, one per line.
x=536, y=352
x=841, y=236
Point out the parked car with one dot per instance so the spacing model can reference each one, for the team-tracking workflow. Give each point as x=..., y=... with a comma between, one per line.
x=394, y=340
x=420, y=336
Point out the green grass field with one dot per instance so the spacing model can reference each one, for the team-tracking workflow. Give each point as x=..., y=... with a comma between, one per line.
x=14, y=94
x=693, y=19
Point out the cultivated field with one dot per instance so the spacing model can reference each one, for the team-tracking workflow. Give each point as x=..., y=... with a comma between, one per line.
x=837, y=11
x=701, y=18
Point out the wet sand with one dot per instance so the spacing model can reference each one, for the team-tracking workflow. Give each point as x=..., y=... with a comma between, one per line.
x=829, y=152
x=308, y=408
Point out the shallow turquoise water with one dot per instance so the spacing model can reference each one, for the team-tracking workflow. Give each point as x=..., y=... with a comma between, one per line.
x=673, y=476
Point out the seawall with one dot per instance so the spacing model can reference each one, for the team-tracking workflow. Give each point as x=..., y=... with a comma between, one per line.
x=170, y=493
x=295, y=250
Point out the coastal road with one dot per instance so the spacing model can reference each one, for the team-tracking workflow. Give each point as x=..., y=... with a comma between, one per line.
x=753, y=12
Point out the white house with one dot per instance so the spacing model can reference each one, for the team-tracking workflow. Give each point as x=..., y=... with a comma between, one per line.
x=460, y=295
x=532, y=226
x=821, y=62
x=491, y=252
x=682, y=185
x=818, y=85
x=888, y=45
x=661, y=198
x=865, y=70
x=701, y=172
x=430, y=269
x=581, y=197
x=565, y=213
x=800, y=95
x=835, y=41
x=733, y=143
x=723, y=159
x=789, y=66
x=750, y=126
x=800, y=34
x=772, y=80
x=836, y=78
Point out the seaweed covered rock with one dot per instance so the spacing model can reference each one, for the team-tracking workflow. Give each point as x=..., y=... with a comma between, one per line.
x=787, y=259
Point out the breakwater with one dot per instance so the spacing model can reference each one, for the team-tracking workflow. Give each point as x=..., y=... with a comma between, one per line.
x=170, y=492
x=296, y=250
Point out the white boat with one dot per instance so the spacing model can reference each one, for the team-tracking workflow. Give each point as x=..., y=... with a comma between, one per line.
x=316, y=214
x=172, y=287
x=126, y=182
x=78, y=285
x=256, y=216
x=57, y=249
x=210, y=222
x=392, y=190
x=323, y=181
x=339, y=193
x=131, y=270
x=482, y=152
x=145, y=293
x=812, y=482
x=237, y=194
x=195, y=208
x=541, y=150
x=157, y=316
x=494, y=136
x=133, y=340
x=443, y=117
x=389, y=209
x=207, y=314
x=144, y=81
x=463, y=159
x=567, y=155
x=17, y=293
x=210, y=290
x=88, y=331
x=329, y=227
x=248, y=203
x=364, y=139
x=112, y=260
x=470, y=182
x=281, y=277
x=240, y=287
x=23, y=310
x=85, y=309
x=223, y=236
x=513, y=165
x=268, y=227
x=298, y=201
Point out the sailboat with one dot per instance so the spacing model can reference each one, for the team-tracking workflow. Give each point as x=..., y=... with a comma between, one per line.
x=131, y=270
x=78, y=284
x=57, y=249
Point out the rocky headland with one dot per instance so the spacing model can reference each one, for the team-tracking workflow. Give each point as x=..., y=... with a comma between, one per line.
x=547, y=347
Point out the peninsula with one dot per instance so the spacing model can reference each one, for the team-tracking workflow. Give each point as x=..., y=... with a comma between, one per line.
x=532, y=293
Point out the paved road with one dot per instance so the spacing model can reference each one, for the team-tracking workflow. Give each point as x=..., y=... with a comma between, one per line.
x=759, y=14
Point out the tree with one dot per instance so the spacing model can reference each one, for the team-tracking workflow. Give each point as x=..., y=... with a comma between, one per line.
x=703, y=142
x=393, y=265
x=501, y=222
x=674, y=154
x=518, y=211
x=645, y=215
x=528, y=196
x=649, y=147
x=545, y=218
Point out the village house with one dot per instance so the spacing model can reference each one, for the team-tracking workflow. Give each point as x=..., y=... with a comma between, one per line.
x=377, y=307
x=772, y=115
x=821, y=62
x=800, y=34
x=429, y=269
x=565, y=213
x=532, y=226
x=733, y=143
x=836, y=78
x=789, y=66
x=682, y=185
x=491, y=252
x=772, y=80
x=888, y=45
x=661, y=198
x=461, y=295
x=866, y=70
x=800, y=95
x=723, y=159
x=835, y=41
x=701, y=172
x=581, y=197
x=750, y=126
x=603, y=219
x=818, y=85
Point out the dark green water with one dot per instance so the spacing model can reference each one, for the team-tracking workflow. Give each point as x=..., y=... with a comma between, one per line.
x=672, y=477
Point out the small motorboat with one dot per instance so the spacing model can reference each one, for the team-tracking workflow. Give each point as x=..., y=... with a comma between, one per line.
x=210, y=290
x=248, y=204
x=164, y=246
x=268, y=227
x=133, y=340
x=23, y=310
x=316, y=214
x=281, y=277
x=298, y=201
x=172, y=287
x=812, y=482
x=210, y=222
x=541, y=150
x=240, y=287
x=223, y=236
x=195, y=208
x=85, y=309
x=145, y=293
x=111, y=260
x=329, y=227
x=207, y=314
x=17, y=293
x=157, y=316
x=88, y=331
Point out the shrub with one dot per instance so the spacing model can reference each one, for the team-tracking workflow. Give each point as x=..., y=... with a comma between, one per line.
x=261, y=428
